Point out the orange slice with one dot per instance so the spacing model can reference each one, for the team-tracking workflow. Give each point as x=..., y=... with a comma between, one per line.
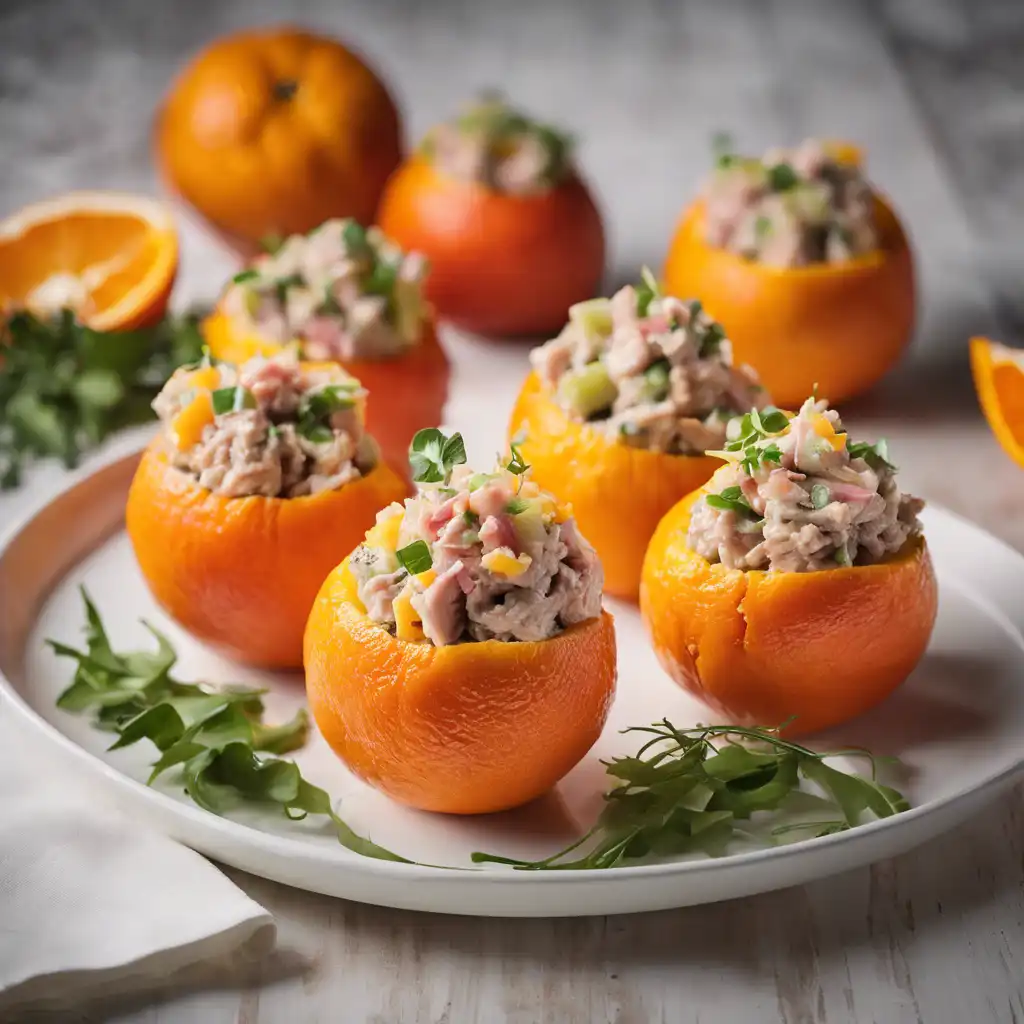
x=999, y=381
x=110, y=257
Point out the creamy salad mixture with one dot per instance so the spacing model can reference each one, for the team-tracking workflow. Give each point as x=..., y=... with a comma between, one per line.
x=343, y=291
x=496, y=146
x=274, y=427
x=791, y=208
x=648, y=370
x=475, y=556
x=797, y=495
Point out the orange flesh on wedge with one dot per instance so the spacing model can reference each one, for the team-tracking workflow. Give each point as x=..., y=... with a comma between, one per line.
x=111, y=258
x=999, y=381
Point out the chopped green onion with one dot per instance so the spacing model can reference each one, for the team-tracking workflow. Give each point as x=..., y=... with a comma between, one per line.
x=820, y=495
x=657, y=378
x=517, y=505
x=843, y=556
x=353, y=234
x=249, y=274
x=415, y=557
x=232, y=399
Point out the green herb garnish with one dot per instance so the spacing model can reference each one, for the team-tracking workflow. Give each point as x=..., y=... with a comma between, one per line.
x=215, y=740
x=646, y=291
x=415, y=557
x=470, y=518
x=353, y=235
x=782, y=177
x=517, y=464
x=657, y=377
x=249, y=274
x=820, y=496
x=64, y=387
x=730, y=500
x=233, y=399
x=711, y=340
x=843, y=556
x=875, y=455
x=317, y=407
x=517, y=505
x=688, y=790
x=722, y=149
x=433, y=456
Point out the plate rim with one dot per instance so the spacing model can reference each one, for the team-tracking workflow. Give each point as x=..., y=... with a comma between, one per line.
x=297, y=852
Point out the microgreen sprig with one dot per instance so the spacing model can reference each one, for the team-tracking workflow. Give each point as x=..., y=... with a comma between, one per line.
x=646, y=291
x=875, y=455
x=517, y=464
x=216, y=741
x=433, y=455
x=686, y=790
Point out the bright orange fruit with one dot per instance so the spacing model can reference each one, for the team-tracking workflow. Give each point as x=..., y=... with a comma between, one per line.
x=999, y=381
x=110, y=257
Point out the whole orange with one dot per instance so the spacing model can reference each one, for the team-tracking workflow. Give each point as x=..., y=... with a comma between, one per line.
x=500, y=264
x=273, y=132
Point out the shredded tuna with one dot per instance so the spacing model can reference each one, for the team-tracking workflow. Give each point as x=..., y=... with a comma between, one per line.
x=291, y=430
x=791, y=208
x=342, y=291
x=648, y=370
x=810, y=500
x=506, y=563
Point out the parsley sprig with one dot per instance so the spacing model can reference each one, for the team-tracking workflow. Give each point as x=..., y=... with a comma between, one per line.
x=64, y=387
x=215, y=740
x=689, y=790
x=752, y=436
x=433, y=455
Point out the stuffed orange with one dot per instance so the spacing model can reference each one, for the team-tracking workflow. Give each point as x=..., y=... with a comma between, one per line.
x=841, y=604
x=807, y=268
x=511, y=231
x=259, y=483
x=108, y=257
x=459, y=659
x=273, y=132
x=619, y=411
x=999, y=381
x=346, y=294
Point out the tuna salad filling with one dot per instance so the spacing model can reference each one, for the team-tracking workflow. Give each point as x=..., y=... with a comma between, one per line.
x=274, y=427
x=498, y=147
x=791, y=208
x=475, y=556
x=797, y=495
x=343, y=291
x=648, y=370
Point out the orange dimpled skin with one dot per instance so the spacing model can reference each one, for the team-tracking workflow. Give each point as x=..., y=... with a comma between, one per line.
x=765, y=647
x=406, y=393
x=500, y=264
x=241, y=573
x=464, y=729
x=618, y=493
x=837, y=327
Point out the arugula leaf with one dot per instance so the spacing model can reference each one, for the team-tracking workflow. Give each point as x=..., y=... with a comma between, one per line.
x=64, y=387
x=216, y=739
x=686, y=791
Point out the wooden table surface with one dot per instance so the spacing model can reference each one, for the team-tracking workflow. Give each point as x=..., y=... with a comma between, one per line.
x=935, y=91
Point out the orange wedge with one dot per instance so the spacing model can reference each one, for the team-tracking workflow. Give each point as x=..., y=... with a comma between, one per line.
x=110, y=257
x=999, y=381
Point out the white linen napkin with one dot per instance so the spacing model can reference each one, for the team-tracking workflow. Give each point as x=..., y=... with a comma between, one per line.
x=92, y=903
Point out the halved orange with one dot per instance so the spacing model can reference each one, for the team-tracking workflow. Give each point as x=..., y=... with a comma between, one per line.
x=999, y=380
x=110, y=257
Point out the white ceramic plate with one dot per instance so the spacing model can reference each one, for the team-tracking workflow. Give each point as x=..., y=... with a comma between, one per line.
x=957, y=725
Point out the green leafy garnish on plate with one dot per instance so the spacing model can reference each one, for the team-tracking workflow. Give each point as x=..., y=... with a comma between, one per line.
x=215, y=739
x=64, y=387
x=694, y=791
x=433, y=455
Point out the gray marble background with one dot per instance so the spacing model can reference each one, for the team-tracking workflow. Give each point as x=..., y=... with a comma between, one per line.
x=934, y=89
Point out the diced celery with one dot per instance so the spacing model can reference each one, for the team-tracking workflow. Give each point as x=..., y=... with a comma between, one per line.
x=588, y=391
x=593, y=317
x=529, y=524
